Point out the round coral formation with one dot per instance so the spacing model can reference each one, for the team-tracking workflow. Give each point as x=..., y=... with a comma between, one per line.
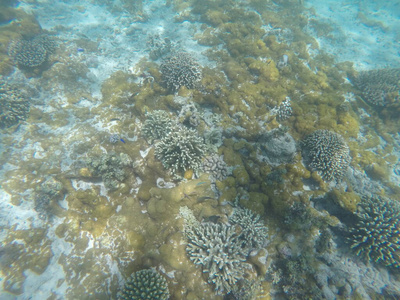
x=145, y=285
x=31, y=53
x=157, y=125
x=14, y=106
x=376, y=236
x=180, y=69
x=216, y=166
x=326, y=152
x=180, y=150
x=379, y=87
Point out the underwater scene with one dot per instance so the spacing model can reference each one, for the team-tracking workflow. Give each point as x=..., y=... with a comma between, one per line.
x=199, y=149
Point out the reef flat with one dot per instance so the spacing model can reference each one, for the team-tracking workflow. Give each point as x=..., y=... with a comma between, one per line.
x=193, y=150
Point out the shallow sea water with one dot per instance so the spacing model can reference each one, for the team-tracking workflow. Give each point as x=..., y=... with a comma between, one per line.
x=91, y=191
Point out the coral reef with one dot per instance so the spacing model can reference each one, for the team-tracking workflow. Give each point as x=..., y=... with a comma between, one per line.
x=189, y=115
x=379, y=87
x=253, y=232
x=145, y=285
x=110, y=167
x=180, y=150
x=34, y=52
x=159, y=47
x=14, y=105
x=277, y=147
x=284, y=110
x=157, y=125
x=48, y=193
x=217, y=248
x=180, y=69
x=326, y=152
x=376, y=236
x=216, y=166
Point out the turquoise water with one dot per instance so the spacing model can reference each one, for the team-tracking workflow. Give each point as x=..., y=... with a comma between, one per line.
x=239, y=149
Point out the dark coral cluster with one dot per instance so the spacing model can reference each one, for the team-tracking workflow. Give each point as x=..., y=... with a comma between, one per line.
x=33, y=52
x=376, y=236
x=284, y=110
x=181, y=149
x=379, y=87
x=180, y=69
x=145, y=285
x=110, y=167
x=14, y=105
x=326, y=152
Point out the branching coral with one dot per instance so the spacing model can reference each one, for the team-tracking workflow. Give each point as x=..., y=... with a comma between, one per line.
x=145, y=285
x=14, y=105
x=254, y=233
x=326, y=152
x=157, y=125
x=217, y=248
x=180, y=69
x=376, y=236
x=182, y=149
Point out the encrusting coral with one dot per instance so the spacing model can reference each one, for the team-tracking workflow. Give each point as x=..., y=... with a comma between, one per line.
x=326, y=152
x=376, y=235
x=145, y=285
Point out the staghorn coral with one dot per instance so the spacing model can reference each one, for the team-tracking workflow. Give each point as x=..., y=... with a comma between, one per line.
x=180, y=69
x=376, y=236
x=379, y=87
x=254, y=234
x=31, y=53
x=157, y=125
x=182, y=149
x=217, y=248
x=14, y=105
x=326, y=152
x=145, y=285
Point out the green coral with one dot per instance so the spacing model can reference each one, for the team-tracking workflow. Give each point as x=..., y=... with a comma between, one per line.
x=376, y=235
x=145, y=285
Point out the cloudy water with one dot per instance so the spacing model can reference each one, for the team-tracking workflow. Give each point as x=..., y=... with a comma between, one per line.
x=201, y=149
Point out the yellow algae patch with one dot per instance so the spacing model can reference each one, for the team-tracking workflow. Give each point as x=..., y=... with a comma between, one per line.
x=346, y=200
